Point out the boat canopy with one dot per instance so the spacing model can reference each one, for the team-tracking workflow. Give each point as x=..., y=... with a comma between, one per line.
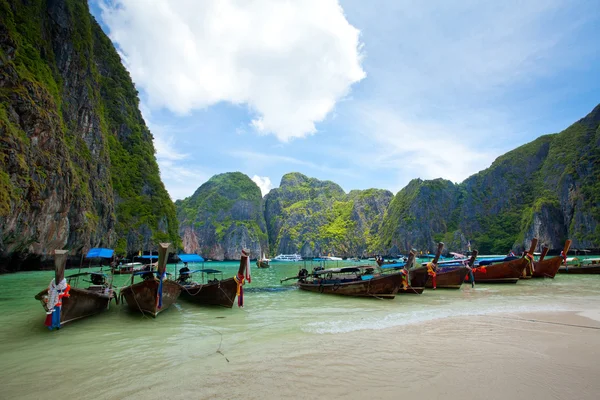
x=394, y=265
x=190, y=258
x=100, y=253
x=150, y=257
x=495, y=260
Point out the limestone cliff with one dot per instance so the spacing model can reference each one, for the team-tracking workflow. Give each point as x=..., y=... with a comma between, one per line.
x=223, y=216
x=312, y=217
x=77, y=164
x=548, y=188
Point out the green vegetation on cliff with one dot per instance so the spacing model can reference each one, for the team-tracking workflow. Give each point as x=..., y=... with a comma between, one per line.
x=225, y=213
x=73, y=142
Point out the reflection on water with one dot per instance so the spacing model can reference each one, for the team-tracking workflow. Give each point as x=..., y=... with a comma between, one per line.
x=111, y=350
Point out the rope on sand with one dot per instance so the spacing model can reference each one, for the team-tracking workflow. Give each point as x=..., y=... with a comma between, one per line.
x=551, y=322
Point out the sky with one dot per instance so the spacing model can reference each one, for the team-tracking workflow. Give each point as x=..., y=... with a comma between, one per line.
x=366, y=94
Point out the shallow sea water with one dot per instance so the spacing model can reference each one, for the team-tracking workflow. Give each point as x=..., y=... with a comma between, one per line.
x=118, y=352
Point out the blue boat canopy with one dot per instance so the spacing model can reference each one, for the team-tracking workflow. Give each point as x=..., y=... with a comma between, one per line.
x=100, y=253
x=152, y=257
x=395, y=265
x=190, y=258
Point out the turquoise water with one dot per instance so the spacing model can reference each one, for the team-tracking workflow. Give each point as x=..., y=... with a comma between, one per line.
x=103, y=349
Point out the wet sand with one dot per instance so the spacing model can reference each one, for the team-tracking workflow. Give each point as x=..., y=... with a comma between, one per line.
x=516, y=356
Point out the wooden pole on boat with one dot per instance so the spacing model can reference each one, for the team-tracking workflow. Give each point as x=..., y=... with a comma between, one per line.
x=243, y=261
x=410, y=261
x=60, y=260
x=163, y=252
x=544, y=252
x=473, y=257
x=534, y=243
x=566, y=249
x=438, y=253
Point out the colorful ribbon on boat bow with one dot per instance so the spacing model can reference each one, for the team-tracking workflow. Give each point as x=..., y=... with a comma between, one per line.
x=404, y=279
x=239, y=279
x=159, y=293
x=431, y=272
x=529, y=259
x=564, y=257
x=54, y=302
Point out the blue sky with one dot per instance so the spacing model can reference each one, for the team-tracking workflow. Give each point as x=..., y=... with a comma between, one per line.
x=366, y=94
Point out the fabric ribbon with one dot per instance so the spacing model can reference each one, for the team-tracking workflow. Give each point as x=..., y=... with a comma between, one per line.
x=404, y=279
x=431, y=272
x=239, y=279
x=54, y=302
x=529, y=259
x=159, y=292
x=564, y=257
x=248, y=274
x=482, y=269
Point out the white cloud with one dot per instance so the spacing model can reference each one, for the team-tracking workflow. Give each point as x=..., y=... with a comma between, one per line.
x=290, y=62
x=264, y=183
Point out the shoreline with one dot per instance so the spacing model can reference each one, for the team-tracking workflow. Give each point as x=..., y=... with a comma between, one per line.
x=539, y=355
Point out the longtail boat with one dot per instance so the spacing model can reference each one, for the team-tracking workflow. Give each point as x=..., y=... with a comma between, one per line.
x=419, y=276
x=547, y=268
x=64, y=302
x=263, y=262
x=585, y=266
x=213, y=291
x=452, y=274
x=358, y=281
x=155, y=293
x=505, y=270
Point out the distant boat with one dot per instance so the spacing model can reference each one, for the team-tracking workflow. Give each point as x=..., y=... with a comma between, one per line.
x=288, y=257
x=127, y=268
x=64, y=302
x=263, y=262
x=581, y=266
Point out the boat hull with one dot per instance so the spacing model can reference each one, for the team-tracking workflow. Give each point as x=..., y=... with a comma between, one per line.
x=418, y=278
x=586, y=269
x=383, y=286
x=504, y=272
x=81, y=303
x=221, y=293
x=262, y=264
x=142, y=296
x=546, y=268
x=449, y=279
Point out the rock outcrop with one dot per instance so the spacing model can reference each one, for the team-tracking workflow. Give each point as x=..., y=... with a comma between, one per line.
x=312, y=217
x=222, y=217
x=548, y=189
x=77, y=165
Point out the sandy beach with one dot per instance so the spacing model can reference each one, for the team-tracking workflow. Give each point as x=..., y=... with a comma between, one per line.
x=506, y=356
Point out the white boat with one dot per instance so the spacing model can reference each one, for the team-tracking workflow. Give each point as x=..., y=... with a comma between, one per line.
x=288, y=257
x=331, y=258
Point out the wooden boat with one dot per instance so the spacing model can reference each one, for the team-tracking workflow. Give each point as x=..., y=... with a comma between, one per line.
x=419, y=276
x=358, y=281
x=128, y=268
x=547, y=268
x=211, y=290
x=155, y=293
x=507, y=270
x=452, y=276
x=263, y=262
x=576, y=266
x=64, y=302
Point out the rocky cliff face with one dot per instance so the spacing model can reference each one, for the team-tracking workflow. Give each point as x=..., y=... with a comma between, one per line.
x=548, y=188
x=77, y=165
x=312, y=217
x=222, y=217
